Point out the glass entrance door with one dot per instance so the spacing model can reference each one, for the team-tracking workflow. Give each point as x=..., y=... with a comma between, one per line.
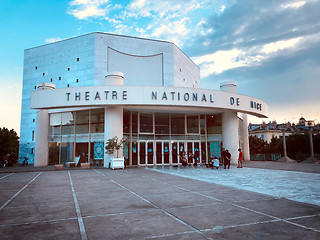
x=142, y=153
x=166, y=152
x=150, y=153
x=175, y=152
x=194, y=149
x=146, y=153
x=163, y=152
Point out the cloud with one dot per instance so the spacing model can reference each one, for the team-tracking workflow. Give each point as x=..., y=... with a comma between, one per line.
x=294, y=5
x=52, y=40
x=280, y=45
x=172, y=31
x=84, y=9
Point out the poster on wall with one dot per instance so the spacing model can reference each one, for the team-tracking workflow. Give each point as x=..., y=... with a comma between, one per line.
x=98, y=150
x=215, y=149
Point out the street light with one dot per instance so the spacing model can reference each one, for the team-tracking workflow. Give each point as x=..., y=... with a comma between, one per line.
x=285, y=158
x=311, y=159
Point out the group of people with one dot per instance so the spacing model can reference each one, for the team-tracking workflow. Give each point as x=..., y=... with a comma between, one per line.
x=189, y=158
x=226, y=158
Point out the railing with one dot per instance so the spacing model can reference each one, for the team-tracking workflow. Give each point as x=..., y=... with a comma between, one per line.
x=265, y=157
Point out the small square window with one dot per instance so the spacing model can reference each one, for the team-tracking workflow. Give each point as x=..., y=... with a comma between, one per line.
x=36, y=67
x=33, y=120
x=68, y=69
x=35, y=87
x=68, y=85
x=78, y=59
x=59, y=78
x=43, y=74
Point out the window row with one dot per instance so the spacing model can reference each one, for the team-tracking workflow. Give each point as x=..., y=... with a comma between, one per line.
x=36, y=67
x=81, y=122
x=171, y=123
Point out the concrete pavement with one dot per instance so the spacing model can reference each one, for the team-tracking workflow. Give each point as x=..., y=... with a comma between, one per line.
x=144, y=204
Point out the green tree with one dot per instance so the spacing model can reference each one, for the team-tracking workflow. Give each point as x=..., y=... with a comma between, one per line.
x=298, y=146
x=257, y=145
x=9, y=142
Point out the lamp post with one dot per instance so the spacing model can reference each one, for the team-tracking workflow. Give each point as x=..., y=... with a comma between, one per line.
x=311, y=159
x=285, y=158
x=311, y=142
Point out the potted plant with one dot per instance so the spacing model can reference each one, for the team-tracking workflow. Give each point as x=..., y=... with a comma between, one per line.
x=113, y=146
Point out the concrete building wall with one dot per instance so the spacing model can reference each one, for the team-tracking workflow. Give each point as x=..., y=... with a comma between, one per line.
x=66, y=63
x=134, y=50
x=186, y=72
x=83, y=61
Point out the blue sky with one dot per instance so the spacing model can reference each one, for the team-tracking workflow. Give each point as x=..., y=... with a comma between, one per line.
x=270, y=48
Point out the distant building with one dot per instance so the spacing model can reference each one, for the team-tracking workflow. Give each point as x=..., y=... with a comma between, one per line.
x=267, y=131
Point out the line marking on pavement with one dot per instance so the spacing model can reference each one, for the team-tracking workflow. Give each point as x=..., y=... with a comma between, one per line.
x=170, y=235
x=302, y=217
x=122, y=213
x=157, y=207
x=236, y=205
x=38, y=222
x=6, y=176
x=76, y=204
x=75, y=218
x=17, y=193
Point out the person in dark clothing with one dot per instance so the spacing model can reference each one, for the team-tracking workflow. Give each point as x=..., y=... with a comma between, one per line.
x=227, y=159
x=223, y=157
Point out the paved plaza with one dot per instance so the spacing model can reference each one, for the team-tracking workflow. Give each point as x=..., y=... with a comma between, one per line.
x=162, y=203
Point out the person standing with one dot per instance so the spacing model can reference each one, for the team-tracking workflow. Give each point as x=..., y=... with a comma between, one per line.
x=227, y=159
x=240, y=158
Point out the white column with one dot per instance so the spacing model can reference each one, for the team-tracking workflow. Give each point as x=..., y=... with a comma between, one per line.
x=113, y=117
x=113, y=127
x=245, y=150
x=42, y=131
x=230, y=136
x=230, y=125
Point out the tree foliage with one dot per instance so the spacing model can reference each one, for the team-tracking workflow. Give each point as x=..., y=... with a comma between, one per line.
x=9, y=142
x=298, y=146
x=115, y=144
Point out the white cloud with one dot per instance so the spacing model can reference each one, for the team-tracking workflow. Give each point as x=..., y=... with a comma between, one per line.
x=220, y=61
x=223, y=7
x=294, y=5
x=84, y=9
x=172, y=31
x=52, y=40
x=138, y=4
x=280, y=45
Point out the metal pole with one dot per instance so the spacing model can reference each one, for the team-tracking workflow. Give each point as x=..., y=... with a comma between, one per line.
x=284, y=144
x=311, y=142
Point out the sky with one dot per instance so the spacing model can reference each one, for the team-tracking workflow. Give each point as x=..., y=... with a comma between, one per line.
x=271, y=49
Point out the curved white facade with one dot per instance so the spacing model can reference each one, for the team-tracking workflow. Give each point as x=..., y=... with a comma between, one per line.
x=152, y=97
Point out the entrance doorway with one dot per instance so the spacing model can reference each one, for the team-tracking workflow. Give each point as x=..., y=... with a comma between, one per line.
x=146, y=153
x=167, y=153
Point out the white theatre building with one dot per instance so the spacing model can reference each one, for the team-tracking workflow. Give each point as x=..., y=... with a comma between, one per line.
x=82, y=91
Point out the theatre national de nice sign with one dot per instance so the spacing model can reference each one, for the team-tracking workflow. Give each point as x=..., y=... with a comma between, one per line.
x=146, y=96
